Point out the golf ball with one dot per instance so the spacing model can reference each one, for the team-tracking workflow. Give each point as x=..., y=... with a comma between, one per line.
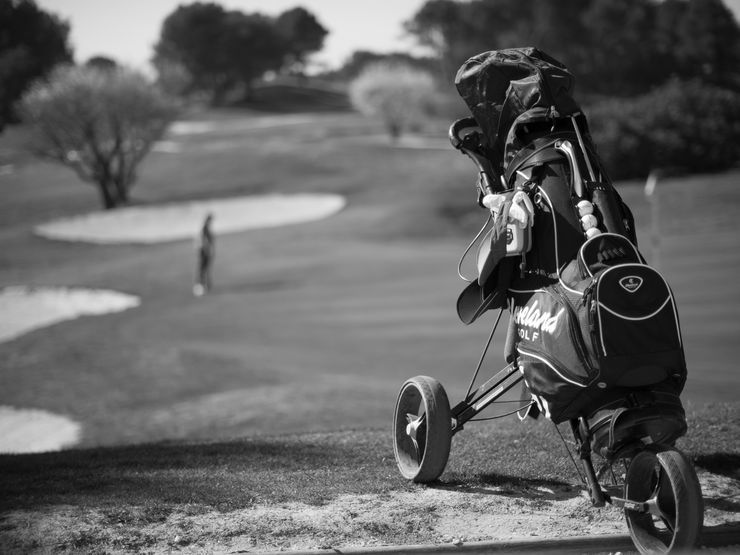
x=588, y=221
x=592, y=232
x=585, y=207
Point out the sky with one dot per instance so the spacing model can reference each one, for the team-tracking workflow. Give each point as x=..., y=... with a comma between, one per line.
x=126, y=30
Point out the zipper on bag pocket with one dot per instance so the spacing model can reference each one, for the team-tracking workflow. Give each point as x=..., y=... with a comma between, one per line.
x=575, y=331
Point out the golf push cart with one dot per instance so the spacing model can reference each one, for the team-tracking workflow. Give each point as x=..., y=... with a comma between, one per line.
x=593, y=336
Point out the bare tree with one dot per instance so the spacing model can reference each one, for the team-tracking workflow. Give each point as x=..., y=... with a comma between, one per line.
x=100, y=123
x=399, y=94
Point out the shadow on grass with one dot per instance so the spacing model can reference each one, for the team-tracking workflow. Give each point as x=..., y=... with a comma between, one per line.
x=225, y=476
x=726, y=464
x=721, y=535
x=723, y=504
x=513, y=486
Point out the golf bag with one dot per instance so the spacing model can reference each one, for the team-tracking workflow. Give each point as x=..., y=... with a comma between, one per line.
x=593, y=328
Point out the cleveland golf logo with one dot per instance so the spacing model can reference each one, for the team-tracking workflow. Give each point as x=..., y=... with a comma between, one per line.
x=536, y=320
x=630, y=283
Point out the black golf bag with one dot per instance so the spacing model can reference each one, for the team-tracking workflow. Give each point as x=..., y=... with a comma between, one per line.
x=593, y=328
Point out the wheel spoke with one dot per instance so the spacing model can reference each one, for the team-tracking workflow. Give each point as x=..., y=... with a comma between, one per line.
x=655, y=480
x=661, y=504
x=412, y=430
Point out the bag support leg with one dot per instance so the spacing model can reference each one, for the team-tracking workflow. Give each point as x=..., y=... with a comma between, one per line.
x=582, y=434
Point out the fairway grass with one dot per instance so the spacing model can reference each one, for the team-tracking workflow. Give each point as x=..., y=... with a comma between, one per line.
x=278, y=388
x=311, y=327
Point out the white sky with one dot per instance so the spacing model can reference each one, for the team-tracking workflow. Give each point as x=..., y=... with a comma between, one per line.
x=126, y=30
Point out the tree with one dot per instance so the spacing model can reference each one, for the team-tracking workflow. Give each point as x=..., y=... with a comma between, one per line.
x=218, y=50
x=174, y=79
x=190, y=38
x=613, y=48
x=709, y=45
x=623, y=53
x=555, y=20
x=32, y=42
x=100, y=123
x=302, y=34
x=442, y=26
x=609, y=45
x=455, y=31
x=400, y=95
x=360, y=59
x=683, y=126
x=252, y=47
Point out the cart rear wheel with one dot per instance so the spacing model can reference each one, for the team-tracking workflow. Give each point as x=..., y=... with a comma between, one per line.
x=422, y=429
x=665, y=480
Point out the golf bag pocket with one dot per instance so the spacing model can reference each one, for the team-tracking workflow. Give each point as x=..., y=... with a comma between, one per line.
x=602, y=251
x=634, y=327
x=551, y=353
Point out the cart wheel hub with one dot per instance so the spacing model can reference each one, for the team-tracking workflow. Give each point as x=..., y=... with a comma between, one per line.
x=413, y=425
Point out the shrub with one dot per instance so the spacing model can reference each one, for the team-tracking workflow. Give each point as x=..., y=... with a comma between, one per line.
x=681, y=126
x=101, y=123
x=399, y=94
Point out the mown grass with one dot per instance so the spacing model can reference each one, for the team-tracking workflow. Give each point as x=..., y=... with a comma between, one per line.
x=310, y=468
x=311, y=327
x=274, y=338
x=143, y=483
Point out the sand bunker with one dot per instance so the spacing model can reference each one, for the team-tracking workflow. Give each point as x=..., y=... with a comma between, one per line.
x=239, y=124
x=35, y=431
x=170, y=222
x=24, y=309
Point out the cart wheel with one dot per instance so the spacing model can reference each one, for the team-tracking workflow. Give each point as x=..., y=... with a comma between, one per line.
x=422, y=429
x=665, y=480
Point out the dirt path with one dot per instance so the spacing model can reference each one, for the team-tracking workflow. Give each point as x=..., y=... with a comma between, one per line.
x=427, y=516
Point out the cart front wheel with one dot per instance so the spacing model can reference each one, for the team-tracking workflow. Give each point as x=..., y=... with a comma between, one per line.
x=671, y=514
x=422, y=429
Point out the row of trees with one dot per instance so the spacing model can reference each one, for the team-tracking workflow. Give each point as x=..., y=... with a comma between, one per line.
x=100, y=119
x=614, y=48
x=204, y=48
x=659, y=80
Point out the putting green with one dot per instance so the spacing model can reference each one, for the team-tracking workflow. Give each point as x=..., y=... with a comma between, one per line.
x=171, y=222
